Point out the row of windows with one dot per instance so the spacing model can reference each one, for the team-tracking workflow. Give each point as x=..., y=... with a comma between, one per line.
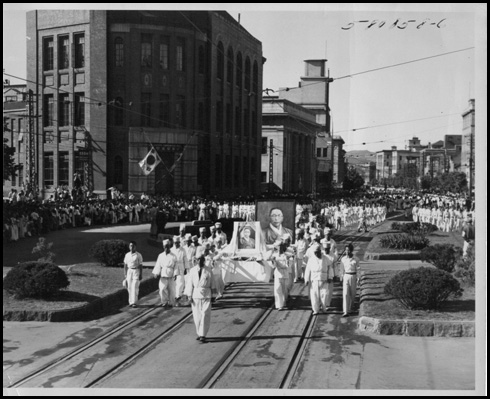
x=77, y=53
x=232, y=176
x=164, y=56
x=232, y=62
x=64, y=116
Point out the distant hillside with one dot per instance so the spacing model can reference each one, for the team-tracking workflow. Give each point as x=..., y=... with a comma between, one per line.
x=359, y=157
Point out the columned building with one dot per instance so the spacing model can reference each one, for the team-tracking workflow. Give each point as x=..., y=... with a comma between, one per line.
x=111, y=84
x=289, y=130
x=468, y=144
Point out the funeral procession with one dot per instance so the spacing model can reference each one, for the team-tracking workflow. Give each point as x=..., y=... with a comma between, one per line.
x=256, y=200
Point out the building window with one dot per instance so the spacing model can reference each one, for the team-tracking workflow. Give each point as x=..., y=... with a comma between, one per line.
x=200, y=117
x=164, y=46
x=48, y=169
x=255, y=85
x=318, y=152
x=63, y=169
x=180, y=116
x=79, y=109
x=263, y=177
x=180, y=53
x=64, y=110
x=201, y=59
x=247, y=74
x=79, y=50
x=48, y=110
x=238, y=121
x=64, y=52
x=146, y=50
x=221, y=61
x=264, y=145
x=118, y=170
x=217, y=171
x=229, y=66
x=229, y=118
x=146, y=109
x=48, y=54
x=325, y=152
x=219, y=116
x=247, y=122
x=236, y=171
x=164, y=110
x=239, y=70
x=119, y=48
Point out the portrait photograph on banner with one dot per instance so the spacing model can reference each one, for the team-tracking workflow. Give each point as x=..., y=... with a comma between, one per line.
x=276, y=219
x=247, y=241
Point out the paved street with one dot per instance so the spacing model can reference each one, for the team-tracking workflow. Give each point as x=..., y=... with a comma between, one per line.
x=336, y=356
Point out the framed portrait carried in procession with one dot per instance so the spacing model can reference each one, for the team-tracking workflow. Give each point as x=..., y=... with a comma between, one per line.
x=276, y=219
x=247, y=238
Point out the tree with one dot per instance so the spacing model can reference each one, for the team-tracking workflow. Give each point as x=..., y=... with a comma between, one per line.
x=10, y=168
x=426, y=182
x=353, y=180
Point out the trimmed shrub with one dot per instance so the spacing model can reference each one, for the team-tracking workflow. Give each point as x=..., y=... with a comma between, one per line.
x=404, y=241
x=423, y=288
x=35, y=280
x=442, y=256
x=465, y=268
x=109, y=252
x=414, y=227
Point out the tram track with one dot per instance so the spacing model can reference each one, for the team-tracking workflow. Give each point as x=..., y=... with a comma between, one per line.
x=214, y=376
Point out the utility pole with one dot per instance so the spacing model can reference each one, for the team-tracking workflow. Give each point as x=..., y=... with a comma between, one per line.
x=31, y=146
x=271, y=162
x=471, y=165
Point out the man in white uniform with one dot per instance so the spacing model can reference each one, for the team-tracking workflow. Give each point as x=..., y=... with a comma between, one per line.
x=165, y=269
x=133, y=273
x=182, y=265
x=349, y=267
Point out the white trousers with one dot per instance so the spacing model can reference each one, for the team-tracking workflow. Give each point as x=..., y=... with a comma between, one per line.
x=201, y=312
x=349, y=291
x=320, y=295
x=280, y=291
x=166, y=290
x=133, y=279
x=179, y=286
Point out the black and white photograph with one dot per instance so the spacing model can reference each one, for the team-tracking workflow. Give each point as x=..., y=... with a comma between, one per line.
x=258, y=199
x=276, y=220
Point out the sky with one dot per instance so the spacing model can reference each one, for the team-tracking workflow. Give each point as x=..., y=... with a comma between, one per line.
x=375, y=103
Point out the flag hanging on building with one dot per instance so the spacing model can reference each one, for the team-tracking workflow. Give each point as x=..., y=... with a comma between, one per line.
x=150, y=162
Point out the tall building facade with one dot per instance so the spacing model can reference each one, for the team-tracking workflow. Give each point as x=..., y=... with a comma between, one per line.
x=468, y=144
x=110, y=85
x=291, y=130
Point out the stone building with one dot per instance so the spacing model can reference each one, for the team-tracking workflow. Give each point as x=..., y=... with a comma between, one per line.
x=111, y=84
x=292, y=130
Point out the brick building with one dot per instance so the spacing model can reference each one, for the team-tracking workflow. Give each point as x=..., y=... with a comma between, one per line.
x=109, y=84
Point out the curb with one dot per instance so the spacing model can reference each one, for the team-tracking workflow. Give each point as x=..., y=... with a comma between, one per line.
x=93, y=310
x=392, y=256
x=417, y=328
x=409, y=328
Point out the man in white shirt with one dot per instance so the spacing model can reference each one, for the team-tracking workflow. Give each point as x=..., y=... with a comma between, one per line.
x=319, y=275
x=181, y=265
x=133, y=273
x=201, y=284
x=165, y=269
x=349, y=267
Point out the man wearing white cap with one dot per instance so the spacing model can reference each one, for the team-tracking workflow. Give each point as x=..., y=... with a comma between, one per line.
x=328, y=241
x=202, y=235
x=181, y=265
x=220, y=234
x=281, y=276
x=199, y=289
x=319, y=275
x=301, y=245
x=165, y=270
